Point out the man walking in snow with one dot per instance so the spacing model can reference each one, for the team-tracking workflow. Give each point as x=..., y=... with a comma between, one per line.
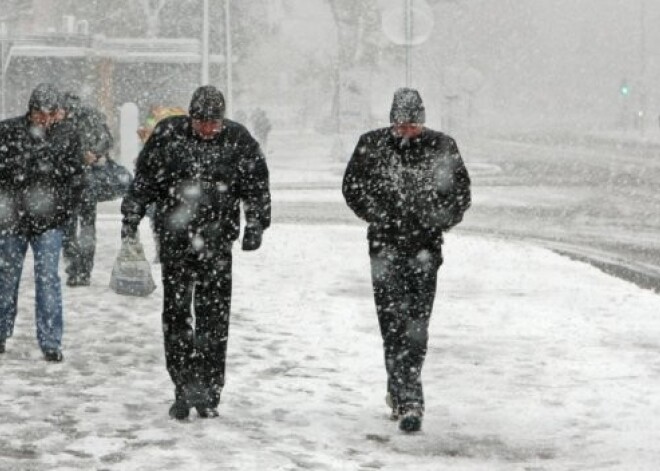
x=40, y=184
x=197, y=170
x=79, y=241
x=410, y=184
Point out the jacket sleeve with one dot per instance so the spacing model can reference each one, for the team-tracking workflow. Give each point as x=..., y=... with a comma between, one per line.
x=459, y=199
x=254, y=187
x=143, y=190
x=103, y=141
x=75, y=168
x=5, y=173
x=354, y=186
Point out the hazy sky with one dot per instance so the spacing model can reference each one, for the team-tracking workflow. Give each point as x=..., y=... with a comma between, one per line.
x=553, y=62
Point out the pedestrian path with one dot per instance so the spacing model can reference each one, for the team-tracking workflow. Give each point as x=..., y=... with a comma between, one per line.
x=536, y=363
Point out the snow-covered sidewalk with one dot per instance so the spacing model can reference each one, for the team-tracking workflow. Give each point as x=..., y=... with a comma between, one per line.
x=535, y=363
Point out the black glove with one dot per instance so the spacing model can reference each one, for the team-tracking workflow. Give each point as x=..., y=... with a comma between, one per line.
x=252, y=237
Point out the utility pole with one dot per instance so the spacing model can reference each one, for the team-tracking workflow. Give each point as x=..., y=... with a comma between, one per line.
x=642, y=72
x=408, y=24
x=408, y=28
x=4, y=38
x=205, y=44
x=228, y=58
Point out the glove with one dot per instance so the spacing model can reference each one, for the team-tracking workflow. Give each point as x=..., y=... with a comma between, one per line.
x=252, y=237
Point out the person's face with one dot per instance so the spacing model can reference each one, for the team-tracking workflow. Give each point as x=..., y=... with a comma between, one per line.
x=207, y=129
x=407, y=130
x=44, y=119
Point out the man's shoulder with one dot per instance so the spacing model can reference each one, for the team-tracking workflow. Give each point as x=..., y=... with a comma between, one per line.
x=16, y=122
x=64, y=133
x=172, y=126
x=64, y=126
x=234, y=126
x=437, y=138
x=375, y=136
x=237, y=132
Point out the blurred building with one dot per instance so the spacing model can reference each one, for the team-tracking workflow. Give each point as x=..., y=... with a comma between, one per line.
x=105, y=72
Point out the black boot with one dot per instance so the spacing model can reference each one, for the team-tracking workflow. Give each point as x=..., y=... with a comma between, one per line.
x=411, y=420
x=54, y=355
x=207, y=412
x=78, y=279
x=203, y=399
x=2, y=346
x=180, y=409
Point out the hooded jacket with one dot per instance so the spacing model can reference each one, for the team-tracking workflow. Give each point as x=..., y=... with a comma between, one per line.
x=40, y=176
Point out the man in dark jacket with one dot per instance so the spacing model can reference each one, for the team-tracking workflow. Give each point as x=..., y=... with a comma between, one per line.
x=79, y=241
x=409, y=183
x=40, y=182
x=197, y=170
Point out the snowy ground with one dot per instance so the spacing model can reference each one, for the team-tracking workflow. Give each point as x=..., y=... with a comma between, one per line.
x=536, y=362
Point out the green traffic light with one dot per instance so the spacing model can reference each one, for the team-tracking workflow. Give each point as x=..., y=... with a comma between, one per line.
x=625, y=90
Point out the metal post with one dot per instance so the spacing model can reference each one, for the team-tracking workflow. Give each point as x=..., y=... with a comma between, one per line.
x=205, y=44
x=3, y=83
x=409, y=36
x=642, y=82
x=228, y=58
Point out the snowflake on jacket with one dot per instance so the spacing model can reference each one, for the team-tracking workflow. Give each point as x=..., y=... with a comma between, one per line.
x=411, y=190
x=198, y=186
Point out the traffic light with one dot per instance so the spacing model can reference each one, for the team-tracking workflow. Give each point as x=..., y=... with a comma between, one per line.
x=624, y=89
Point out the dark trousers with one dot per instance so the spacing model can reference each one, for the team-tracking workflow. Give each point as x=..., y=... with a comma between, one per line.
x=196, y=341
x=404, y=283
x=79, y=240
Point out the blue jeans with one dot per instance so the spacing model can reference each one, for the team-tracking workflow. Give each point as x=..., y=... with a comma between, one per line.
x=46, y=249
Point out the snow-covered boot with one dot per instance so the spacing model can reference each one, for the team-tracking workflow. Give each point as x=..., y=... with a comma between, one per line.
x=180, y=409
x=79, y=279
x=53, y=355
x=199, y=396
x=411, y=420
x=206, y=412
x=206, y=402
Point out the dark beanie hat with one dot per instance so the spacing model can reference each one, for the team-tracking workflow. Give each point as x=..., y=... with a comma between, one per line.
x=207, y=103
x=71, y=101
x=407, y=107
x=45, y=97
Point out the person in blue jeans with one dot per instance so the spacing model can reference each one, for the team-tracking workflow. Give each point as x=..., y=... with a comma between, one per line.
x=40, y=183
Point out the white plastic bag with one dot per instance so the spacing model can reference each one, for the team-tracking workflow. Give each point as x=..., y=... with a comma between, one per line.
x=131, y=273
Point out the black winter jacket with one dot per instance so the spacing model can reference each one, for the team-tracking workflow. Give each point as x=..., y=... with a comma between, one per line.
x=409, y=191
x=40, y=176
x=95, y=137
x=197, y=187
x=92, y=126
